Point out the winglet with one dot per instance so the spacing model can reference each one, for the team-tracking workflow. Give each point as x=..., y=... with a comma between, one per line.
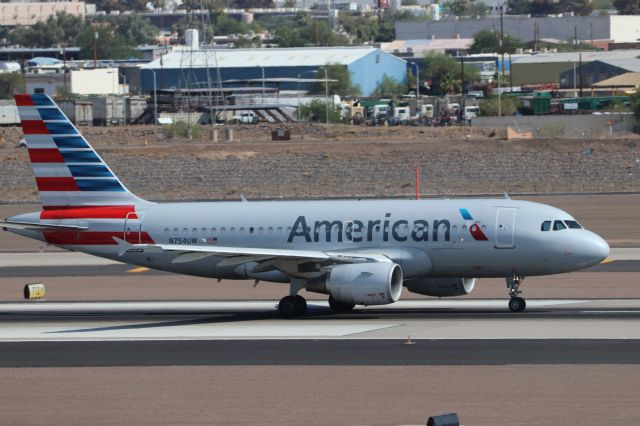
x=506, y=196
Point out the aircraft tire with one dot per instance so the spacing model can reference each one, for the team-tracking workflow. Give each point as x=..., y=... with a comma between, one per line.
x=517, y=304
x=292, y=306
x=337, y=306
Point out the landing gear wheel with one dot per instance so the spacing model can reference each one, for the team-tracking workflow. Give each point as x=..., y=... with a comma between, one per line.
x=517, y=304
x=337, y=306
x=292, y=306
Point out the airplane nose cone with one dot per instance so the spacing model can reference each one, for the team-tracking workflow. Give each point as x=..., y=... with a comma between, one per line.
x=596, y=249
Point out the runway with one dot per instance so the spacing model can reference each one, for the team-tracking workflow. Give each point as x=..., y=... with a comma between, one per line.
x=465, y=332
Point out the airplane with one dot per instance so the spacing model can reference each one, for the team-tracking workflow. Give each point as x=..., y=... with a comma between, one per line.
x=358, y=252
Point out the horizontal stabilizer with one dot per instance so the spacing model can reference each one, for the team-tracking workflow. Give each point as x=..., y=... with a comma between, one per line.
x=40, y=226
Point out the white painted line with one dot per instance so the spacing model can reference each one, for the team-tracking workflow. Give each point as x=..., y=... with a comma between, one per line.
x=52, y=259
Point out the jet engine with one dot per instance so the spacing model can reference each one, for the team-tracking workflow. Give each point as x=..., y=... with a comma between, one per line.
x=375, y=283
x=441, y=287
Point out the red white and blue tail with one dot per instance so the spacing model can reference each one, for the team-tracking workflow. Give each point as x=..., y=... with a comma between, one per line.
x=69, y=173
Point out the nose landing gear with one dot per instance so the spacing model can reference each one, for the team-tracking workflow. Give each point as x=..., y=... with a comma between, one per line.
x=516, y=303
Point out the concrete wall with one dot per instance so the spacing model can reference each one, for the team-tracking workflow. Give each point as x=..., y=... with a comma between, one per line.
x=521, y=27
x=13, y=14
x=625, y=28
x=562, y=126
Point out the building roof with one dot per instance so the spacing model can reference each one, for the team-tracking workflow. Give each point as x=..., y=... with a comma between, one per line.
x=575, y=56
x=421, y=46
x=630, y=79
x=281, y=57
x=629, y=64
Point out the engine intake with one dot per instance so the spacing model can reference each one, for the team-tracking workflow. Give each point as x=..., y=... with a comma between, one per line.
x=378, y=283
x=441, y=287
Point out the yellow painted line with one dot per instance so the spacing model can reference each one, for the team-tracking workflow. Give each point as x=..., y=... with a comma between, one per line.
x=607, y=260
x=139, y=269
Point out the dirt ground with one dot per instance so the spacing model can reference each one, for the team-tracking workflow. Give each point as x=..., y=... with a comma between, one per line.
x=322, y=395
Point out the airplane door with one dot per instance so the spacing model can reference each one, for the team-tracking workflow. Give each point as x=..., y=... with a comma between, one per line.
x=505, y=228
x=133, y=228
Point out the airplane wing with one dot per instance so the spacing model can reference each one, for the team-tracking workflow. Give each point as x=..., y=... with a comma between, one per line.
x=40, y=226
x=240, y=255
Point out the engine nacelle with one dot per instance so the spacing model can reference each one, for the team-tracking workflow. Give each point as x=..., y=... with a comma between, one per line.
x=441, y=287
x=376, y=283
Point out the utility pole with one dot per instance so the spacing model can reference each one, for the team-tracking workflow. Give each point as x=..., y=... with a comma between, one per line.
x=580, y=64
x=464, y=98
x=326, y=95
x=502, y=37
x=95, y=48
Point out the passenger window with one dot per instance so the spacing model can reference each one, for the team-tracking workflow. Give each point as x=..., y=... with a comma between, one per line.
x=204, y=231
x=242, y=229
x=175, y=231
x=195, y=231
x=232, y=229
x=280, y=229
x=572, y=224
x=222, y=230
x=270, y=229
x=546, y=225
x=213, y=230
x=166, y=231
x=260, y=230
x=558, y=225
x=251, y=230
x=185, y=231
x=289, y=229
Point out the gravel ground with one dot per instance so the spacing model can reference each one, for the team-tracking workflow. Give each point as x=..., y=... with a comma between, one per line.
x=322, y=395
x=363, y=168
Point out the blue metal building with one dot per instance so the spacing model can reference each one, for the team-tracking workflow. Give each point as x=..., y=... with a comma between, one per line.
x=197, y=68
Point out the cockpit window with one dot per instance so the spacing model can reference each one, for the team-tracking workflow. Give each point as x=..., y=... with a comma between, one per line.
x=558, y=225
x=572, y=224
x=546, y=225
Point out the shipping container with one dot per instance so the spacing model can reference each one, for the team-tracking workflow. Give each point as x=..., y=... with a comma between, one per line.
x=136, y=106
x=109, y=110
x=9, y=114
x=79, y=112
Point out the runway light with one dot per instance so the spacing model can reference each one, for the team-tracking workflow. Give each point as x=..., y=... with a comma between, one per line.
x=34, y=291
x=450, y=419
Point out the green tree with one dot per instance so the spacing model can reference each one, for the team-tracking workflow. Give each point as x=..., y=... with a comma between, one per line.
x=61, y=28
x=519, y=7
x=10, y=84
x=544, y=7
x=458, y=7
x=389, y=86
x=578, y=7
x=478, y=9
x=316, y=111
x=449, y=84
x=487, y=41
x=133, y=28
x=627, y=7
x=440, y=67
x=109, y=44
x=342, y=84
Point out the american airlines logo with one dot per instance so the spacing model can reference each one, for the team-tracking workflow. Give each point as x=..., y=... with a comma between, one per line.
x=386, y=229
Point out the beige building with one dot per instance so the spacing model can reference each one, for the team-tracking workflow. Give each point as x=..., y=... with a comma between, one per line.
x=13, y=14
x=88, y=81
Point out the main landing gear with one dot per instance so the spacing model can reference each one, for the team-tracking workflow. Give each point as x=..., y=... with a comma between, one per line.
x=516, y=303
x=292, y=306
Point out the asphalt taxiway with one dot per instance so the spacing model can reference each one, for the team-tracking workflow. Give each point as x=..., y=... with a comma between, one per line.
x=465, y=332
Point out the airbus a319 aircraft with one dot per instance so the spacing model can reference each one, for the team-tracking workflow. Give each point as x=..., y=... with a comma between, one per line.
x=358, y=252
